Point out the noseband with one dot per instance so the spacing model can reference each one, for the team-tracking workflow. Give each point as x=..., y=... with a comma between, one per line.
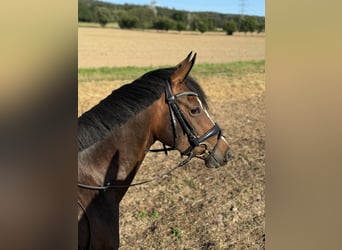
x=177, y=114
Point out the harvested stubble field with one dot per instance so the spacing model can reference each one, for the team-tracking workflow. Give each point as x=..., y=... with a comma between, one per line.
x=196, y=207
x=114, y=47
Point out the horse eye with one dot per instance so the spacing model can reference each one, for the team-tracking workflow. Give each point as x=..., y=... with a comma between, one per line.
x=195, y=111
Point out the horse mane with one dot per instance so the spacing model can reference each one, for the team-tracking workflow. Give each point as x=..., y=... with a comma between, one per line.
x=125, y=102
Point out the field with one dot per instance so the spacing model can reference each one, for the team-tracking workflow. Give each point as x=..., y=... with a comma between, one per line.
x=114, y=47
x=196, y=207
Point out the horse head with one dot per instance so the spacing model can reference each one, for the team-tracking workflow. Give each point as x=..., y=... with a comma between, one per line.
x=184, y=122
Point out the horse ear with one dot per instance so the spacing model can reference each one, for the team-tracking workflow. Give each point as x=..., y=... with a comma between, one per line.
x=185, y=61
x=183, y=69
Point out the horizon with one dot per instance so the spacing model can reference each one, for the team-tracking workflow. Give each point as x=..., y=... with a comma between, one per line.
x=237, y=7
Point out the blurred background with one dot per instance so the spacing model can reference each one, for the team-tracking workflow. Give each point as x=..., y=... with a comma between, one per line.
x=38, y=114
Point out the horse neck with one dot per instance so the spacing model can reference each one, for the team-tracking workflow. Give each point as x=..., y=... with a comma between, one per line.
x=120, y=154
x=114, y=160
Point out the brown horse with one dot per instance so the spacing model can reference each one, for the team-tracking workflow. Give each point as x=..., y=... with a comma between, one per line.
x=115, y=135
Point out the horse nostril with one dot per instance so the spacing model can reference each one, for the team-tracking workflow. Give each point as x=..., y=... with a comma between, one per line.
x=229, y=155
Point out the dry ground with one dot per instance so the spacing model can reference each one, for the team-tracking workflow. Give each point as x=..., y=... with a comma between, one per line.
x=114, y=47
x=196, y=208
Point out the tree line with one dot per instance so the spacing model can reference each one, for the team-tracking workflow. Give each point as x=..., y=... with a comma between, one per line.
x=130, y=16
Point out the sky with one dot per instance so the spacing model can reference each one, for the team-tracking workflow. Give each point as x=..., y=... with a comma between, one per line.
x=251, y=7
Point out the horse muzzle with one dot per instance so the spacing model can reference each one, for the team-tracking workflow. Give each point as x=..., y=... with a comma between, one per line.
x=219, y=156
x=215, y=161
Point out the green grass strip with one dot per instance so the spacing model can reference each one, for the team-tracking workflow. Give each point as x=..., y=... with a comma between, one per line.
x=231, y=69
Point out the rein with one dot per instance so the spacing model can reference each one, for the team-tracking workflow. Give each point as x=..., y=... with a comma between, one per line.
x=91, y=187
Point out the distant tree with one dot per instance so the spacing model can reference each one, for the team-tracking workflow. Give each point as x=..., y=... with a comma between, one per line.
x=180, y=26
x=145, y=16
x=253, y=24
x=86, y=11
x=210, y=24
x=202, y=26
x=179, y=16
x=128, y=22
x=261, y=26
x=103, y=15
x=164, y=23
x=248, y=24
x=195, y=22
x=243, y=26
x=230, y=27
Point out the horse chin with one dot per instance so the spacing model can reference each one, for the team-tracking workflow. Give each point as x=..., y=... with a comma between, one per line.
x=211, y=162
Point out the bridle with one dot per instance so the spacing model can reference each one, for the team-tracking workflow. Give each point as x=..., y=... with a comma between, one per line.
x=177, y=114
x=194, y=141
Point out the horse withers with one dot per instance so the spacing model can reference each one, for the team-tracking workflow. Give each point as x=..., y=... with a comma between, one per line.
x=114, y=136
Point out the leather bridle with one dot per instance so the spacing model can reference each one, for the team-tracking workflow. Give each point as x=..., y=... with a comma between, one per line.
x=177, y=114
